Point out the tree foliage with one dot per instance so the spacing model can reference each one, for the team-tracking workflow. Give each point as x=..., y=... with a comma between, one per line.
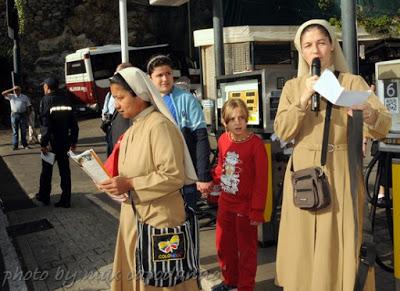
x=19, y=5
x=377, y=24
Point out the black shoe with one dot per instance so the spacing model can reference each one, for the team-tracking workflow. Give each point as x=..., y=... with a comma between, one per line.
x=15, y=148
x=62, y=204
x=41, y=199
x=381, y=202
x=222, y=287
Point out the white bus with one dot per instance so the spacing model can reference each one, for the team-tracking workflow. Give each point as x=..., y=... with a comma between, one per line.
x=87, y=70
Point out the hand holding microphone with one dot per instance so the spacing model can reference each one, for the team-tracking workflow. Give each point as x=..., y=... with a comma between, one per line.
x=315, y=70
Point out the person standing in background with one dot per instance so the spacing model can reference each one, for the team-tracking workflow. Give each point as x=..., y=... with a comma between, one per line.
x=187, y=113
x=20, y=107
x=59, y=130
x=32, y=134
x=113, y=124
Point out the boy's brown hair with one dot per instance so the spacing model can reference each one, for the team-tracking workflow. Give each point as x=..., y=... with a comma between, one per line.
x=229, y=106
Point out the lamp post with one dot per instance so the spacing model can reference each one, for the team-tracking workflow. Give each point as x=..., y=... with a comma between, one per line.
x=123, y=26
x=349, y=33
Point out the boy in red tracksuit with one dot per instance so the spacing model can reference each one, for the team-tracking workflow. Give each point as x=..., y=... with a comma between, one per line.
x=241, y=171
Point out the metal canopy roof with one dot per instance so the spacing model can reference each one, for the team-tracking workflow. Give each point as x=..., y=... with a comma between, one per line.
x=279, y=33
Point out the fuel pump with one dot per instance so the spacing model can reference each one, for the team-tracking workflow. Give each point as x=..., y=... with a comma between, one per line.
x=388, y=90
x=260, y=90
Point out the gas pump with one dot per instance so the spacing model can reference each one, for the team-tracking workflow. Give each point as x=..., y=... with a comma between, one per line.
x=260, y=90
x=388, y=91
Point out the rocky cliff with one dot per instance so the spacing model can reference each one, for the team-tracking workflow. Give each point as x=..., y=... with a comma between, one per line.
x=53, y=29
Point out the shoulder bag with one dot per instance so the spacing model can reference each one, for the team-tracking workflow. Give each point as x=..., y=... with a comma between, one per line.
x=310, y=185
x=167, y=256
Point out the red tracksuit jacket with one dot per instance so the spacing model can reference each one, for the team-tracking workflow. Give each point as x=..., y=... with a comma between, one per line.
x=242, y=172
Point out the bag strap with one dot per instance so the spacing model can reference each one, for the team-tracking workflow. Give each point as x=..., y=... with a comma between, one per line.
x=114, y=115
x=188, y=210
x=367, y=250
x=133, y=206
x=325, y=136
x=327, y=124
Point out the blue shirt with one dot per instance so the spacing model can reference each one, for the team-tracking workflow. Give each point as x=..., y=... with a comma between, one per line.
x=18, y=104
x=109, y=105
x=189, y=113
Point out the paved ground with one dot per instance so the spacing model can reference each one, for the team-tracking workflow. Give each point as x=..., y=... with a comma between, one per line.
x=72, y=249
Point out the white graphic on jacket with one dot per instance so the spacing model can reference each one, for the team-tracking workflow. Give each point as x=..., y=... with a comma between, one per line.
x=230, y=176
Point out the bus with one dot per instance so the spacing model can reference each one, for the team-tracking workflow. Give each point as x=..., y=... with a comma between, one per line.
x=87, y=70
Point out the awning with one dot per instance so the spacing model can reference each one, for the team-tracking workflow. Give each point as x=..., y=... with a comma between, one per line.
x=276, y=33
x=388, y=70
x=168, y=2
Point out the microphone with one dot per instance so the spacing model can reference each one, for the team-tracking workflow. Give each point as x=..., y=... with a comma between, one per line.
x=315, y=70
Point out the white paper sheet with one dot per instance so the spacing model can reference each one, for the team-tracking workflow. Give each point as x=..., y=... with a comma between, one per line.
x=48, y=158
x=329, y=87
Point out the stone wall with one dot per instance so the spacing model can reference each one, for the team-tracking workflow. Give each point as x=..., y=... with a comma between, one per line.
x=53, y=29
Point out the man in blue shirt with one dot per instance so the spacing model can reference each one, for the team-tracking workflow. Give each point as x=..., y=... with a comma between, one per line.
x=106, y=117
x=187, y=112
x=20, y=107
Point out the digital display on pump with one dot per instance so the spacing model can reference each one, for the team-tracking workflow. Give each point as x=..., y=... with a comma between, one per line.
x=247, y=91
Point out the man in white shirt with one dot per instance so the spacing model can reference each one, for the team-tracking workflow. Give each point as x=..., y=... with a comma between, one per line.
x=20, y=107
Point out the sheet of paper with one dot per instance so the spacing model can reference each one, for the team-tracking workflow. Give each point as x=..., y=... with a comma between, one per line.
x=48, y=158
x=329, y=87
x=91, y=164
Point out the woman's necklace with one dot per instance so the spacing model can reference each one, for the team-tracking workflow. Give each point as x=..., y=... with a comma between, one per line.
x=241, y=139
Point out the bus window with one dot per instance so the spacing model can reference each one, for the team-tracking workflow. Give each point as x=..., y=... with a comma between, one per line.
x=76, y=67
x=103, y=65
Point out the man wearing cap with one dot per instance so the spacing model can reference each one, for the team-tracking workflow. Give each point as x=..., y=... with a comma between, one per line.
x=20, y=106
x=59, y=130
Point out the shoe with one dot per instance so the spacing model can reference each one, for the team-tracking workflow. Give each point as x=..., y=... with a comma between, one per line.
x=15, y=148
x=62, y=204
x=223, y=287
x=27, y=147
x=44, y=201
x=381, y=202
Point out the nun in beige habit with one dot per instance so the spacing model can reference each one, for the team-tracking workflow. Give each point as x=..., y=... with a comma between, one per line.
x=318, y=250
x=153, y=164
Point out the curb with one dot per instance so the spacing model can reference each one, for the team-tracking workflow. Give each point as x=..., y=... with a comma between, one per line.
x=12, y=267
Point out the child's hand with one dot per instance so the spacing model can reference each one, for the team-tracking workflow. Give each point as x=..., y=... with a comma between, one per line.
x=204, y=187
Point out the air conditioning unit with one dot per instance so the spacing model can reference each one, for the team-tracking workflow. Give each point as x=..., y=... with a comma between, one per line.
x=168, y=2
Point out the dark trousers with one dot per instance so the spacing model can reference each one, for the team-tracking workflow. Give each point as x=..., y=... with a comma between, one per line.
x=19, y=122
x=191, y=196
x=109, y=142
x=65, y=174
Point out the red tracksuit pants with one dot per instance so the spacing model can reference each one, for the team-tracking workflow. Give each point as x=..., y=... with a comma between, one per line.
x=236, y=243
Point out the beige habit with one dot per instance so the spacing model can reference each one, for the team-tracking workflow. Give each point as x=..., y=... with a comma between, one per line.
x=318, y=251
x=152, y=153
